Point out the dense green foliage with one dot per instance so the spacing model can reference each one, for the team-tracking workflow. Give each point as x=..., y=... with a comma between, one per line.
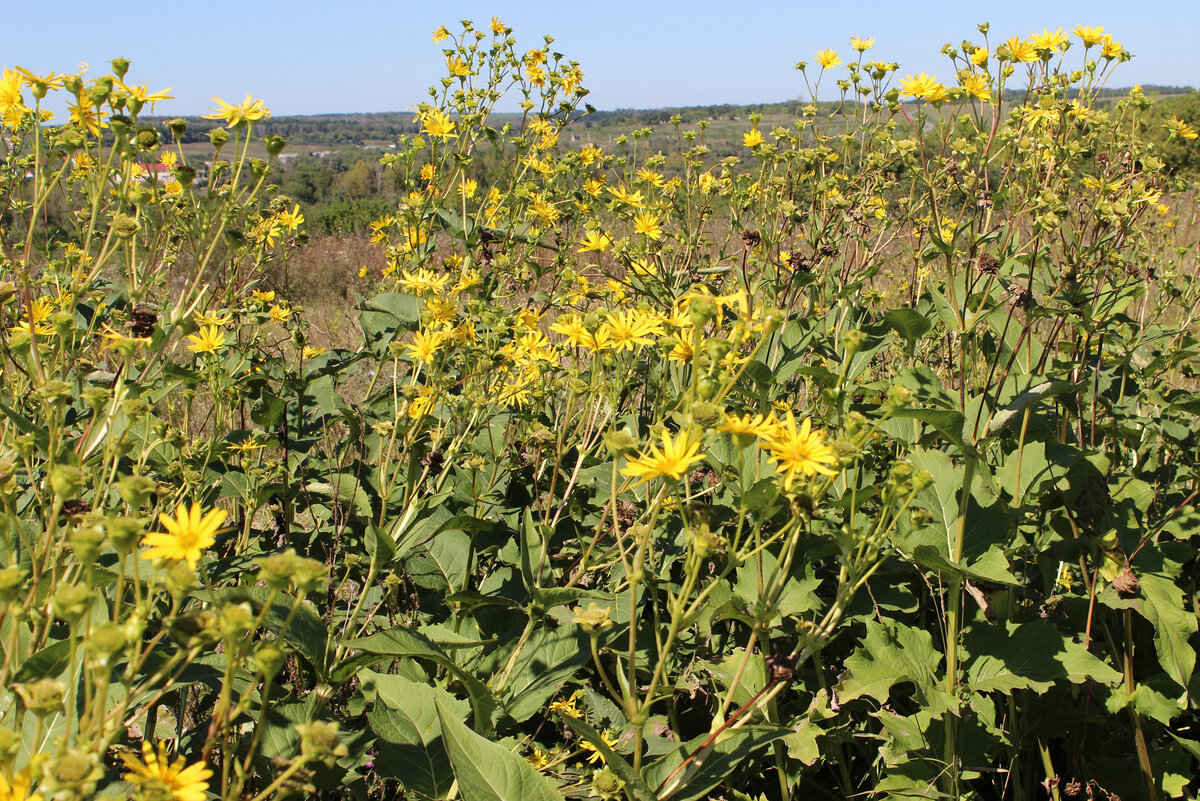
x=861, y=461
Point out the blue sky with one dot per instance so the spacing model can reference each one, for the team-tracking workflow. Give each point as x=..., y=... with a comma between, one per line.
x=307, y=57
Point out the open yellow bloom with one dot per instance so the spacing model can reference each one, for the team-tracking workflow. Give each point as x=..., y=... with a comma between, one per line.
x=752, y=138
x=800, y=451
x=862, y=43
x=156, y=776
x=210, y=340
x=673, y=460
x=976, y=85
x=19, y=787
x=1177, y=127
x=828, y=58
x=595, y=240
x=1023, y=52
x=647, y=224
x=438, y=124
x=1090, y=36
x=186, y=536
x=922, y=87
x=235, y=116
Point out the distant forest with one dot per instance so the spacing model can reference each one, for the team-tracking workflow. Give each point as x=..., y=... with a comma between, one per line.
x=384, y=127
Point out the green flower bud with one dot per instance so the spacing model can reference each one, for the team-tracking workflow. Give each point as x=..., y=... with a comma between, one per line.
x=123, y=533
x=181, y=580
x=309, y=576
x=274, y=145
x=55, y=392
x=276, y=570
x=218, y=137
x=707, y=414
x=120, y=67
x=319, y=741
x=10, y=746
x=66, y=481
x=12, y=584
x=125, y=226
x=177, y=127
x=235, y=621
x=147, y=138
x=268, y=661
x=619, y=443
x=71, y=601
x=86, y=542
x=41, y=697
x=592, y=618
x=106, y=641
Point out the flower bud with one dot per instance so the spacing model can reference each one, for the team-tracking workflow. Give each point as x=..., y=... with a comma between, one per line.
x=125, y=226
x=123, y=533
x=12, y=584
x=41, y=697
x=218, y=137
x=71, y=601
x=592, y=618
x=66, y=481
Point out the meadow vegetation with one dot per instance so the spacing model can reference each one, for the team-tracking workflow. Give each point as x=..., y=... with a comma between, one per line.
x=858, y=459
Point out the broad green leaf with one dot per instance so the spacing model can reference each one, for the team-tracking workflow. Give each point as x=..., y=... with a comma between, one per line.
x=908, y=323
x=711, y=765
x=891, y=653
x=1163, y=606
x=410, y=748
x=383, y=316
x=1004, y=418
x=403, y=642
x=487, y=771
x=549, y=658
x=1029, y=656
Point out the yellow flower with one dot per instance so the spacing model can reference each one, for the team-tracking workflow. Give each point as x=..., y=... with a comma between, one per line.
x=648, y=225
x=567, y=706
x=627, y=329
x=828, y=58
x=1020, y=51
x=922, y=87
x=751, y=425
x=752, y=138
x=85, y=115
x=1178, y=127
x=235, y=116
x=210, y=340
x=610, y=739
x=457, y=67
x=293, y=219
x=441, y=34
x=976, y=85
x=38, y=322
x=979, y=56
x=800, y=451
x=650, y=175
x=186, y=536
x=1091, y=36
x=673, y=460
x=862, y=43
x=265, y=297
x=425, y=345
x=143, y=95
x=1048, y=41
x=311, y=351
x=595, y=240
x=498, y=27
x=438, y=124
x=538, y=759
x=280, y=313
x=1111, y=48
x=18, y=788
x=158, y=777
